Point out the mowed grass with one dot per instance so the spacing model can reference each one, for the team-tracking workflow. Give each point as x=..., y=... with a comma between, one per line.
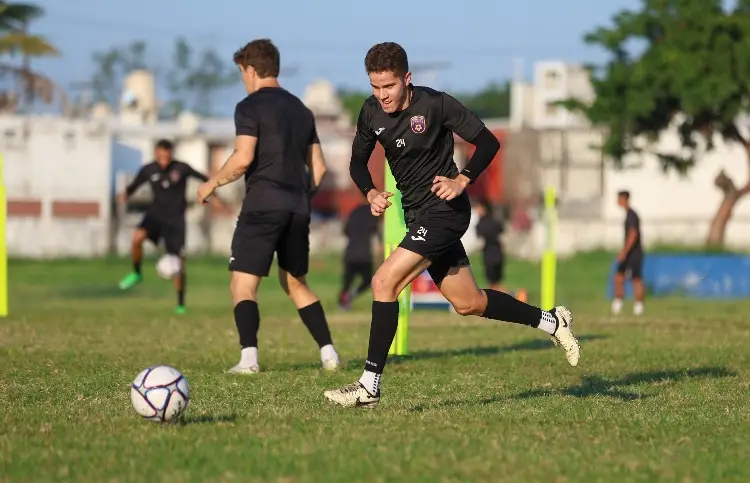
x=663, y=397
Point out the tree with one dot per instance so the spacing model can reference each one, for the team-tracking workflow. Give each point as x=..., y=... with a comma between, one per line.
x=15, y=39
x=493, y=101
x=192, y=85
x=112, y=66
x=675, y=63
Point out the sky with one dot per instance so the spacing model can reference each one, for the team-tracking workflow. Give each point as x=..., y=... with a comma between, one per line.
x=481, y=41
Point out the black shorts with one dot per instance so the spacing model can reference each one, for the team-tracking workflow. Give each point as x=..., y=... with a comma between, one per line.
x=436, y=235
x=632, y=266
x=494, y=272
x=173, y=233
x=260, y=234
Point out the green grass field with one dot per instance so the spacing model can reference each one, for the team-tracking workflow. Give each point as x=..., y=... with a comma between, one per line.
x=663, y=397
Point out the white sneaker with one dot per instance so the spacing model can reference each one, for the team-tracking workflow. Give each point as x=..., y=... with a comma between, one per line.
x=353, y=396
x=564, y=335
x=238, y=369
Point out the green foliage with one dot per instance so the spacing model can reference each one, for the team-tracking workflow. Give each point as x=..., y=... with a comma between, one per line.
x=192, y=80
x=678, y=61
x=493, y=101
x=114, y=64
x=14, y=36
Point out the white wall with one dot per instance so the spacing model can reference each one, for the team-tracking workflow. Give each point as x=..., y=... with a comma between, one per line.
x=58, y=160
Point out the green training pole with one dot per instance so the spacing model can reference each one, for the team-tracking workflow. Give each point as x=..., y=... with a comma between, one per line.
x=549, y=256
x=394, y=232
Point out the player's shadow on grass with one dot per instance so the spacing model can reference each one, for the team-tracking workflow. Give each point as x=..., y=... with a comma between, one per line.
x=597, y=386
x=529, y=345
x=208, y=419
x=477, y=351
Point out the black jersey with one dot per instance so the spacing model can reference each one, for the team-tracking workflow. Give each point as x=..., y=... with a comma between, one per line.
x=168, y=186
x=418, y=141
x=278, y=178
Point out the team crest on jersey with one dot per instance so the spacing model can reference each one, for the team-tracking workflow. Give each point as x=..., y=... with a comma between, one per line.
x=418, y=124
x=174, y=175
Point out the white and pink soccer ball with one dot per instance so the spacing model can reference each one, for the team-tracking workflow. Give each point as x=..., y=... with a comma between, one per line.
x=160, y=393
x=168, y=266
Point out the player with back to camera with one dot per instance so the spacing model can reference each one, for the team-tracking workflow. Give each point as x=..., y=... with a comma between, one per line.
x=165, y=217
x=415, y=126
x=278, y=152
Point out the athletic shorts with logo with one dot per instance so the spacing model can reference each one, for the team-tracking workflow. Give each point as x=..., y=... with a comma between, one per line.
x=173, y=233
x=260, y=234
x=435, y=233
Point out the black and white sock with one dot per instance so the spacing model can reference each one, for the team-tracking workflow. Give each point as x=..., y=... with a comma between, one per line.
x=501, y=306
x=382, y=331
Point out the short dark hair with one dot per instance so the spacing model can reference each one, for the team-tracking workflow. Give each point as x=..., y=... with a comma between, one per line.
x=165, y=144
x=387, y=57
x=262, y=55
x=624, y=194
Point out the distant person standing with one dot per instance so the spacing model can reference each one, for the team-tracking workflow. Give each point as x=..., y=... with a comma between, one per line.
x=489, y=229
x=360, y=228
x=630, y=258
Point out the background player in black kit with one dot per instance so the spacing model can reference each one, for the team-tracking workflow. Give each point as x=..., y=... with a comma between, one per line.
x=415, y=126
x=360, y=228
x=165, y=217
x=278, y=152
x=489, y=229
x=630, y=258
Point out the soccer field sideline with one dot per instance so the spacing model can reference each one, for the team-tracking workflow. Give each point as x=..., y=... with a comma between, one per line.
x=659, y=397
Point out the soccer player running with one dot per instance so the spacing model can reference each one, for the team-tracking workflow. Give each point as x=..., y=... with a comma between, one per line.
x=415, y=126
x=278, y=152
x=165, y=217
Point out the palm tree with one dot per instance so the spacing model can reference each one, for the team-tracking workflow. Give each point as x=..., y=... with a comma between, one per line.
x=14, y=36
x=15, y=39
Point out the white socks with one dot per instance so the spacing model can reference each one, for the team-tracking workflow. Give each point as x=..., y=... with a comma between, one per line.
x=249, y=357
x=638, y=308
x=327, y=352
x=371, y=382
x=548, y=323
x=616, y=306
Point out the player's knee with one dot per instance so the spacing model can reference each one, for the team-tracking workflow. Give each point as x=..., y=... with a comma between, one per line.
x=138, y=237
x=242, y=287
x=383, y=289
x=470, y=305
x=293, y=285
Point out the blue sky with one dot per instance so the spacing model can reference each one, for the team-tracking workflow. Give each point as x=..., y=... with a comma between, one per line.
x=328, y=38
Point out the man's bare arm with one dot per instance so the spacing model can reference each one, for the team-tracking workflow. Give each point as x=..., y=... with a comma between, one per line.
x=238, y=162
x=317, y=164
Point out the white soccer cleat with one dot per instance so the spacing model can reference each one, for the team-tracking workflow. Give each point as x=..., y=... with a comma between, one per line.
x=353, y=396
x=331, y=364
x=564, y=335
x=244, y=370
